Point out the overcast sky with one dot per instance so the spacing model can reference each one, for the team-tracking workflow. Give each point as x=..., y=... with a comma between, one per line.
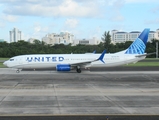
x=83, y=18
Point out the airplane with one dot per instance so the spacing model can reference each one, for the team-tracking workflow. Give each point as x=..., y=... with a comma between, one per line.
x=67, y=62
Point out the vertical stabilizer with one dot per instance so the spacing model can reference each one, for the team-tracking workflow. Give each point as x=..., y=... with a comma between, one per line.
x=139, y=45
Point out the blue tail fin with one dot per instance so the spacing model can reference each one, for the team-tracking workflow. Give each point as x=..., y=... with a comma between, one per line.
x=139, y=45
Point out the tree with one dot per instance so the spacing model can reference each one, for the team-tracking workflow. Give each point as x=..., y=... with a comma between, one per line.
x=107, y=40
x=37, y=42
x=22, y=47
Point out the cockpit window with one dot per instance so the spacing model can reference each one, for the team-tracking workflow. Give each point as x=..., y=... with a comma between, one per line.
x=11, y=59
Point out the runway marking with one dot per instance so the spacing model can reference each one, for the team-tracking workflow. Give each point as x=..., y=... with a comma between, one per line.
x=57, y=98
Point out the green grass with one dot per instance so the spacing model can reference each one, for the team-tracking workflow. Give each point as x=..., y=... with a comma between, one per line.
x=1, y=63
x=151, y=59
x=2, y=66
x=4, y=58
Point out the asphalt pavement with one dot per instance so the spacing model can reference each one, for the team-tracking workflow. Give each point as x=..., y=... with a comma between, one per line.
x=69, y=95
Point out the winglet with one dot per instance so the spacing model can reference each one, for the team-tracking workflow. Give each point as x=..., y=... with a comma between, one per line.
x=101, y=56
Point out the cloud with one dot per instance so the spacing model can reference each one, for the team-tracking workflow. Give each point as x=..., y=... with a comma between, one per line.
x=116, y=7
x=50, y=8
x=67, y=8
x=155, y=10
x=37, y=28
x=154, y=21
x=10, y=18
x=7, y=18
x=2, y=24
x=38, y=32
x=96, y=32
x=72, y=23
x=141, y=1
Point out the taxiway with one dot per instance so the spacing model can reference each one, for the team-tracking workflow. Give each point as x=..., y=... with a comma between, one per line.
x=71, y=93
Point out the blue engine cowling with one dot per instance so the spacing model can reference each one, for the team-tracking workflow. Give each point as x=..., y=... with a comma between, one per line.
x=63, y=67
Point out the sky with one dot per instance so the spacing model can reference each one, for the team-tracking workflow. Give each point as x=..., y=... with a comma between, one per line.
x=83, y=18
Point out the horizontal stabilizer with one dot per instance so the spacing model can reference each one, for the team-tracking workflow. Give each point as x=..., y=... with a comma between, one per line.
x=145, y=54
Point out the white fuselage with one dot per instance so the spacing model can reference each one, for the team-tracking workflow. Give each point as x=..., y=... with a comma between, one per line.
x=49, y=61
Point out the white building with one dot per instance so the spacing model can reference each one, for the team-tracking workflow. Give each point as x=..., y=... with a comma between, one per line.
x=157, y=34
x=62, y=38
x=93, y=41
x=118, y=37
x=15, y=35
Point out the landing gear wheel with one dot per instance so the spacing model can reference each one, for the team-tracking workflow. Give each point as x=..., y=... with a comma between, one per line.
x=78, y=70
x=17, y=71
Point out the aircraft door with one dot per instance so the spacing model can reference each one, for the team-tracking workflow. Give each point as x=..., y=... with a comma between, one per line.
x=20, y=62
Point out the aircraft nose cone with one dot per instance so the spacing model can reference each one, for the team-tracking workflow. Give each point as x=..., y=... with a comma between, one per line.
x=5, y=63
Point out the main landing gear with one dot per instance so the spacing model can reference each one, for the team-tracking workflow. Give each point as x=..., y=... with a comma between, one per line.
x=18, y=71
x=78, y=69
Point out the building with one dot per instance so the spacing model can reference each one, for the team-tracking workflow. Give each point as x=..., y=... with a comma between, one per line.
x=157, y=34
x=62, y=38
x=15, y=35
x=118, y=37
x=93, y=41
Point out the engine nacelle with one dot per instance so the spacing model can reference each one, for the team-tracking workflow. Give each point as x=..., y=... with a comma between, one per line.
x=63, y=67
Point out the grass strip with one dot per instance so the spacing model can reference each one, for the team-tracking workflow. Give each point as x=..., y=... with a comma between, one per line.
x=2, y=66
x=4, y=58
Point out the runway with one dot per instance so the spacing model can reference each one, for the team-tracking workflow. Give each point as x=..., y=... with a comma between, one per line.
x=88, y=93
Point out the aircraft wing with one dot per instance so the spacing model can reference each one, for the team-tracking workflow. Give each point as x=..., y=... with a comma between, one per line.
x=81, y=63
x=88, y=62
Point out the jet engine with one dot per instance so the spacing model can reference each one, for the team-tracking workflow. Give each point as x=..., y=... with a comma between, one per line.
x=63, y=67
